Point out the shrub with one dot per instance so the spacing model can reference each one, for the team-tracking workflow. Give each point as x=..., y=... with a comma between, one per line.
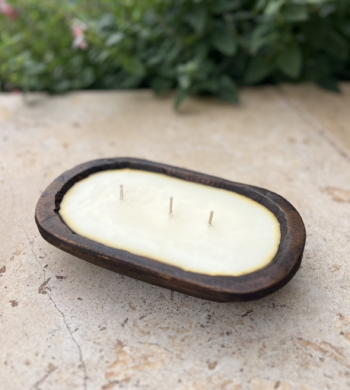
x=206, y=47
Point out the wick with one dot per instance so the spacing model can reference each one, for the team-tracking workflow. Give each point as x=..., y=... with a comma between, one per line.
x=171, y=205
x=211, y=218
x=121, y=197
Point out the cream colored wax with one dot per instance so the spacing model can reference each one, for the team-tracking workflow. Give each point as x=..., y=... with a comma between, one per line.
x=243, y=237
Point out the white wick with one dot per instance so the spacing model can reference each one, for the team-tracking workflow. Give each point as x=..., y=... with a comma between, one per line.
x=171, y=205
x=121, y=197
x=211, y=218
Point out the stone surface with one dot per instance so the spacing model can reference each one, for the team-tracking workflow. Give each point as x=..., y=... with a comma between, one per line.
x=67, y=324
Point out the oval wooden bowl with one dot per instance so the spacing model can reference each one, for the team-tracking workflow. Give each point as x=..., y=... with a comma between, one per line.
x=248, y=287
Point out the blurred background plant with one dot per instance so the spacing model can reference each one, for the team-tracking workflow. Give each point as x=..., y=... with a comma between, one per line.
x=205, y=47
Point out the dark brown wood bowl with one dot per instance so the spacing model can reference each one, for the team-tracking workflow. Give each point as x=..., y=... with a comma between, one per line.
x=247, y=287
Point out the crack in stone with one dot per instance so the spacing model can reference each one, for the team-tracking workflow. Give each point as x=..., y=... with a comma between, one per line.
x=31, y=243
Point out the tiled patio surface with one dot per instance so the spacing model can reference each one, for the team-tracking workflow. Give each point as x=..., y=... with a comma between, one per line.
x=96, y=329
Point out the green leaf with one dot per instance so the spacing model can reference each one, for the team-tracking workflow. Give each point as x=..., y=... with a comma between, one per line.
x=294, y=12
x=243, y=15
x=107, y=21
x=62, y=85
x=150, y=18
x=228, y=90
x=101, y=56
x=133, y=65
x=260, y=5
x=160, y=84
x=210, y=85
x=289, y=61
x=258, y=70
x=315, y=1
x=262, y=35
x=172, y=53
x=327, y=9
x=273, y=7
x=201, y=49
x=223, y=40
x=344, y=27
x=87, y=76
x=196, y=18
x=184, y=81
x=181, y=95
x=330, y=84
x=336, y=45
x=114, y=38
x=220, y=6
x=129, y=82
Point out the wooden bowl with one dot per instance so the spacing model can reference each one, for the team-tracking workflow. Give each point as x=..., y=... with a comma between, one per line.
x=247, y=287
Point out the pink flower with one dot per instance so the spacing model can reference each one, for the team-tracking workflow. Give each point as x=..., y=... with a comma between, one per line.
x=80, y=43
x=78, y=29
x=7, y=10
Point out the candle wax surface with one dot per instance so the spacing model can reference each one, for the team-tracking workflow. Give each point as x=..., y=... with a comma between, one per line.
x=243, y=237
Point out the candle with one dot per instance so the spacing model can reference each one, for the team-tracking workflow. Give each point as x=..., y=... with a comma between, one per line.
x=243, y=237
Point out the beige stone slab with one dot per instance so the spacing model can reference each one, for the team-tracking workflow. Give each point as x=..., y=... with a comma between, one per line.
x=96, y=329
x=327, y=112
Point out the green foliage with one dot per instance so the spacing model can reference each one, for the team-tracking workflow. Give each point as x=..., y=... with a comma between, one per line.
x=206, y=47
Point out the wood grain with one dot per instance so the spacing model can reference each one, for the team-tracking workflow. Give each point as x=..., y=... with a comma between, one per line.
x=216, y=288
